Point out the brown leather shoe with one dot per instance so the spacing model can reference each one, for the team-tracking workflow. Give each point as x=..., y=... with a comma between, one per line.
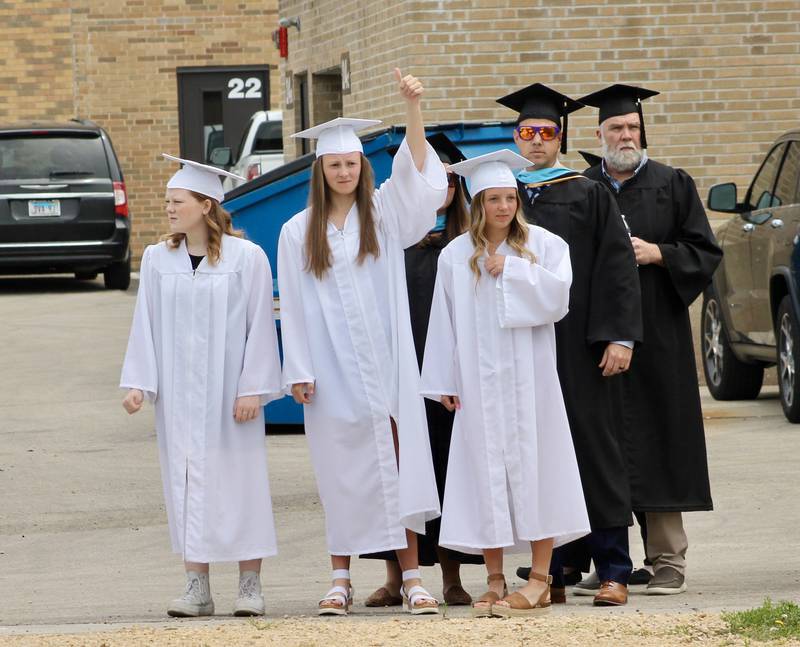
x=612, y=594
x=558, y=595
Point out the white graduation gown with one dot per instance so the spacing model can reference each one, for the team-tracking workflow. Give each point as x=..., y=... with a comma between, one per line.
x=512, y=476
x=198, y=341
x=350, y=335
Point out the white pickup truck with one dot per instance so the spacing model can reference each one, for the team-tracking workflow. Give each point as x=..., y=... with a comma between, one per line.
x=260, y=150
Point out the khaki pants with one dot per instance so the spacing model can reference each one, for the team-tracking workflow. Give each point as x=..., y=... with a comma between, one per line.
x=666, y=541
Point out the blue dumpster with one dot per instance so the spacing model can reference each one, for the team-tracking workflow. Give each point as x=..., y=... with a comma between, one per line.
x=259, y=208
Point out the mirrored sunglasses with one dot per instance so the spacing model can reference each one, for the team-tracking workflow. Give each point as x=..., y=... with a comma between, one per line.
x=547, y=133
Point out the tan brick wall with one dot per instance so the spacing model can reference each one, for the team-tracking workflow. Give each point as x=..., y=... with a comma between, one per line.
x=114, y=62
x=36, y=49
x=729, y=72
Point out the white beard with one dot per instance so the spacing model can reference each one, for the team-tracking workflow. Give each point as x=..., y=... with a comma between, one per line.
x=621, y=160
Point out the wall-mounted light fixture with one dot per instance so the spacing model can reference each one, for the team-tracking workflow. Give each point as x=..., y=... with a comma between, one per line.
x=290, y=22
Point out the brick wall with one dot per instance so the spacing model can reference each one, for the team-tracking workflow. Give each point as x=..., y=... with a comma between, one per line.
x=114, y=62
x=327, y=96
x=728, y=71
x=36, y=50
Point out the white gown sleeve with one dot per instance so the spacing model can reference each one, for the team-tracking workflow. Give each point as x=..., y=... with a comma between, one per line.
x=534, y=294
x=261, y=368
x=297, y=364
x=407, y=202
x=439, y=364
x=140, y=367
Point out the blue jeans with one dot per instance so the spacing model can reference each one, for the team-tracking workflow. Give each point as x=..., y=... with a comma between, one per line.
x=607, y=547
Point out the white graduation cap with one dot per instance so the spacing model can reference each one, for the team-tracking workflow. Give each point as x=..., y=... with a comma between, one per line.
x=338, y=135
x=200, y=178
x=491, y=171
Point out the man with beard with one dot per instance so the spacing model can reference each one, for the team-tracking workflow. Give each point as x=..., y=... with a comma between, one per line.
x=677, y=254
x=594, y=341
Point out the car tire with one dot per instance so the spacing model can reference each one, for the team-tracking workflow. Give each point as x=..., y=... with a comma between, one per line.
x=727, y=378
x=787, y=337
x=118, y=276
x=85, y=276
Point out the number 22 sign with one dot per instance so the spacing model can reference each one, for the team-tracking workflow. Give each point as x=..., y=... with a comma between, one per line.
x=244, y=88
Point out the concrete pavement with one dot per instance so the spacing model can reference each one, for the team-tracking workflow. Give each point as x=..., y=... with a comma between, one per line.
x=83, y=536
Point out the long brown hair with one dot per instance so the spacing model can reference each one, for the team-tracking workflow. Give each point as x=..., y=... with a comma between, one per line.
x=218, y=222
x=517, y=233
x=457, y=215
x=318, y=251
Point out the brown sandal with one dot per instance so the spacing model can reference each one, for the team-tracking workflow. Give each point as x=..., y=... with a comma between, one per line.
x=520, y=605
x=490, y=596
x=382, y=597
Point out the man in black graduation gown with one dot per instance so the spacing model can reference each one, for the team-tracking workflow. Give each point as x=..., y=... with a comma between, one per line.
x=660, y=401
x=595, y=339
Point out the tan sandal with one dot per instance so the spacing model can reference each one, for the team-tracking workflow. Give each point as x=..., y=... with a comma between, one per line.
x=491, y=597
x=518, y=604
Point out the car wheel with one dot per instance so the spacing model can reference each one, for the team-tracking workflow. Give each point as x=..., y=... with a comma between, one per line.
x=788, y=347
x=727, y=378
x=86, y=276
x=118, y=276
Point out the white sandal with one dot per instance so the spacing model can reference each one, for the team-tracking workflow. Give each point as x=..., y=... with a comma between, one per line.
x=417, y=594
x=343, y=596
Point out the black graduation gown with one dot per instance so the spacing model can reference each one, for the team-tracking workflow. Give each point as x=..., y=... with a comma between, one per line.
x=603, y=306
x=421, y=266
x=663, y=423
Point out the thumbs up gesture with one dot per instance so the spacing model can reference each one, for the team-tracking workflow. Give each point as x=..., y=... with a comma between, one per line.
x=410, y=86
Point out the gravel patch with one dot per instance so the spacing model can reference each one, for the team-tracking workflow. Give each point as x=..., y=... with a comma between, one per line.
x=640, y=630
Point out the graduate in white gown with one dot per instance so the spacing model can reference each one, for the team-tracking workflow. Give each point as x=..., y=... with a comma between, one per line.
x=512, y=477
x=203, y=348
x=348, y=346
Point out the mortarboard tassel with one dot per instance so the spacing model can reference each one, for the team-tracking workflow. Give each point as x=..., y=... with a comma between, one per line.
x=642, y=136
x=565, y=120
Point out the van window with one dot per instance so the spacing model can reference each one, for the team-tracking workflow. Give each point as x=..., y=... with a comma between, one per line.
x=43, y=156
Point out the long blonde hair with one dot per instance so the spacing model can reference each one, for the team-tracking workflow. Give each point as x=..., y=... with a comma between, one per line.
x=218, y=222
x=517, y=237
x=318, y=251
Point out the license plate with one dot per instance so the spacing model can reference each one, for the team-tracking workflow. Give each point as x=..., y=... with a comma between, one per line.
x=44, y=208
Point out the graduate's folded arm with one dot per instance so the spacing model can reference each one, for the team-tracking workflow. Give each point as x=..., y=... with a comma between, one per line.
x=529, y=294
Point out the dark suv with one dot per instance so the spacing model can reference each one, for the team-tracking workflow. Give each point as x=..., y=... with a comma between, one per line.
x=63, y=204
x=750, y=312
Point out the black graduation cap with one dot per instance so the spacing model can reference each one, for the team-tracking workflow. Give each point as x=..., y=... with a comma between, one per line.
x=590, y=158
x=448, y=152
x=618, y=99
x=537, y=101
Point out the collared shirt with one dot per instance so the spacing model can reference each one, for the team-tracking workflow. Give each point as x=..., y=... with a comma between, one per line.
x=616, y=184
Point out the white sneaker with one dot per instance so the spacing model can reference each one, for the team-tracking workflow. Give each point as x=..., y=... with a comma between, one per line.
x=196, y=599
x=250, y=601
x=588, y=586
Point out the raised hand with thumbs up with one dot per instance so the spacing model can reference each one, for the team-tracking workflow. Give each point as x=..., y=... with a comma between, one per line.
x=411, y=90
